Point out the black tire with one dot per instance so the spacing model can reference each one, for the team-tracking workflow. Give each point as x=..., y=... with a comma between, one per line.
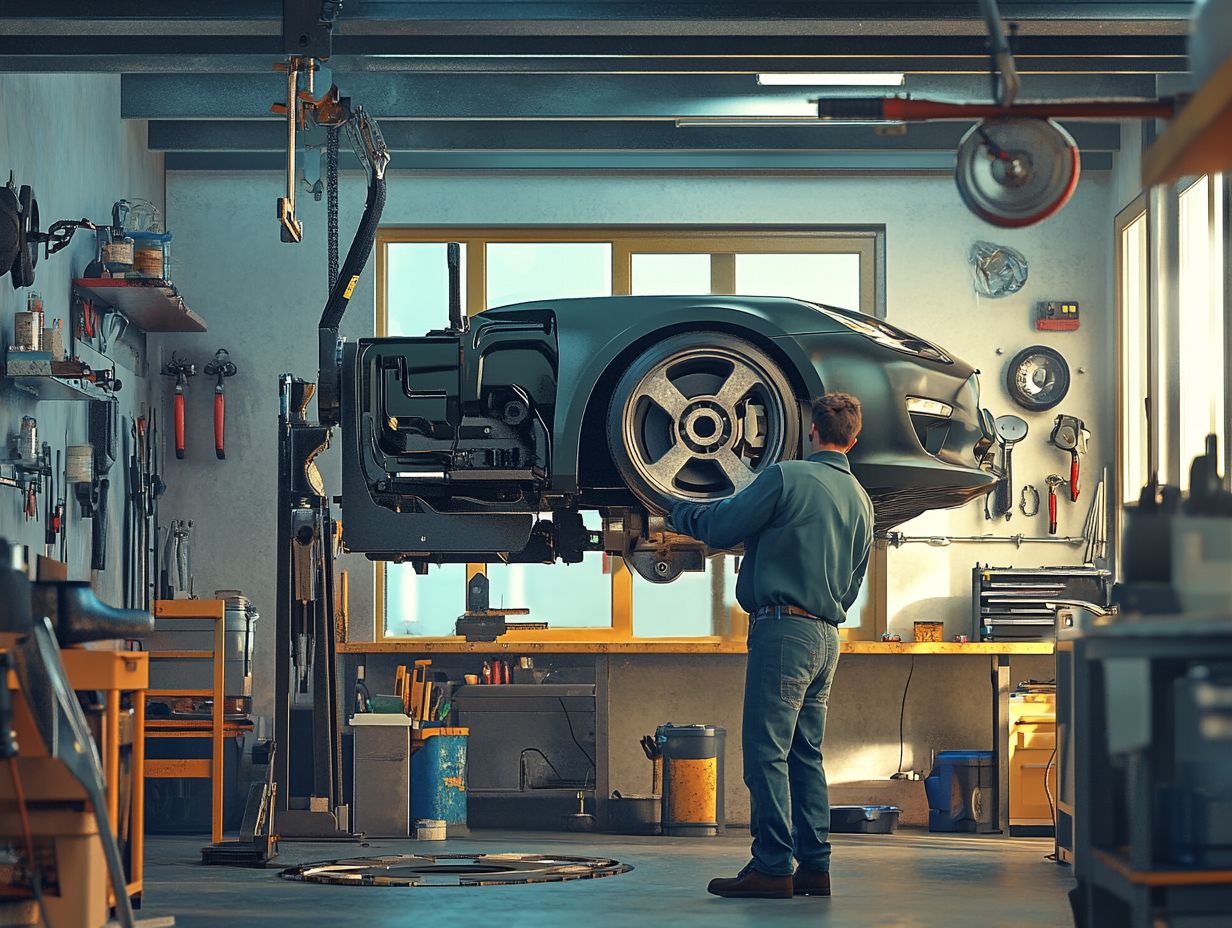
x=698, y=416
x=1034, y=388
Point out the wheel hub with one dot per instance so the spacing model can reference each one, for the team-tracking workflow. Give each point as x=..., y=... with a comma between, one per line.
x=705, y=427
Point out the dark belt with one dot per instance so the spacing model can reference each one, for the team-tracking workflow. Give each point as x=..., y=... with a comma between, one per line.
x=766, y=612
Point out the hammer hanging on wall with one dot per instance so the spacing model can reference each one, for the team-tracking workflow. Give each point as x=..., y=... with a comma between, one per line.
x=221, y=367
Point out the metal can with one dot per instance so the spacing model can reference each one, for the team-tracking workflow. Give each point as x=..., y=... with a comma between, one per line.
x=28, y=330
x=27, y=444
x=962, y=639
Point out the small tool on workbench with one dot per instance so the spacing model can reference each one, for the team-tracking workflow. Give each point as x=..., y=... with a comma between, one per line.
x=221, y=367
x=181, y=369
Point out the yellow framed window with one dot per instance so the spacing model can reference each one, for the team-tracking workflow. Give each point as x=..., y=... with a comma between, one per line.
x=601, y=604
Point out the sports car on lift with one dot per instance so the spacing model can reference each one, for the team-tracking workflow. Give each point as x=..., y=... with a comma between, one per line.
x=488, y=440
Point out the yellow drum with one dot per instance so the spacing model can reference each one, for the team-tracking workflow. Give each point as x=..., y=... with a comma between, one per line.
x=692, y=779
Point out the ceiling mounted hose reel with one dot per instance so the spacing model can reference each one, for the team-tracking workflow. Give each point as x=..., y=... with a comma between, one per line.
x=1015, y=171
x=1037, y=378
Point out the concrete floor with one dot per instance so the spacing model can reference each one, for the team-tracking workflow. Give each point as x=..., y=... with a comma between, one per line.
x=909, y=880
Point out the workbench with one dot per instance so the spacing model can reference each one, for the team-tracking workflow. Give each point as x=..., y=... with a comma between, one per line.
x=998, y=653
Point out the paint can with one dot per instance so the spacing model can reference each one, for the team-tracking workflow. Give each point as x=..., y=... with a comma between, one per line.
x=692, y=779
x=79, y=464
x=429, y=829
x=438, y=778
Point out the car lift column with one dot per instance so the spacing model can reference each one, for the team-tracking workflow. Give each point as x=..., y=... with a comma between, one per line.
x=305, y=590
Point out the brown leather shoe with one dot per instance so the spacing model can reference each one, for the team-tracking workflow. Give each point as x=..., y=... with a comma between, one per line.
x=752, y=884
x=811, y=882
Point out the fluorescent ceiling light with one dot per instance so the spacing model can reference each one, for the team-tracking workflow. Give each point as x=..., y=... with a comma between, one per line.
x=832, y=79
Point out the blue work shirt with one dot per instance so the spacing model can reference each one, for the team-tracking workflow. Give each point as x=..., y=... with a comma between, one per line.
x=807, y=530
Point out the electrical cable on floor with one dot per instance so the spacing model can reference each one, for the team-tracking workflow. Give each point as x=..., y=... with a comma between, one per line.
x=36, y=882
x=1052, y=809
x=902, y=714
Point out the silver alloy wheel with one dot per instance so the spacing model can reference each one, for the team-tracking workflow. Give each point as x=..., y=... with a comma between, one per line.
x=703, y=421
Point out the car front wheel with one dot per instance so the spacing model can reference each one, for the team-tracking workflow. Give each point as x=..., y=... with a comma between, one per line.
x=698, y=417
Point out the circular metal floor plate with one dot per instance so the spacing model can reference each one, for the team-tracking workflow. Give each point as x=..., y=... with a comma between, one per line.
x=455, y=870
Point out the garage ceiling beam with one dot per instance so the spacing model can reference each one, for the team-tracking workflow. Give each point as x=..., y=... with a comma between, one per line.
x=859, y=163
x=161, y=46
x=109, y=31
x=604, y=64
x=554, y=97
x=407, y=136
x=567, y=16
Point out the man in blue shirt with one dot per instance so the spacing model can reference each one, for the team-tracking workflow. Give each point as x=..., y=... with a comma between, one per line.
x=806, y=527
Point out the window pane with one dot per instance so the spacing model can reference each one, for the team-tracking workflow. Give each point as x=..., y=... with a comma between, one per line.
x=519, y=272
x=1134, y=340
x=424, y=605
x=563, y=595
x=693, y=604
x=656, y=275
x=1201, y=339
x=417, y=287
x=833, y=279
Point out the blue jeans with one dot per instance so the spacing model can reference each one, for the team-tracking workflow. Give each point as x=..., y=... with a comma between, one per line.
x=786, y=692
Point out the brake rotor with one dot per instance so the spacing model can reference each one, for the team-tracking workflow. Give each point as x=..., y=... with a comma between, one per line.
x=1015, y=171
x=419, y=870
x=1037, y=378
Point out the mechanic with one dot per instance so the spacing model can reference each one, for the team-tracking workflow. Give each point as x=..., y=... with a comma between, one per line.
x=806, y=527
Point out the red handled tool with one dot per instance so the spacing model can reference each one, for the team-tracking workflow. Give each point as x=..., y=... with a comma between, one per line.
x=1069, y=433
x=221, y=367
x=1053, y=481
x=181, y=370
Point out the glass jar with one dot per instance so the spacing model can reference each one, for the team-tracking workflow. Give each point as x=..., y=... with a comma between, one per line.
x=115, y=250
x=151, y=253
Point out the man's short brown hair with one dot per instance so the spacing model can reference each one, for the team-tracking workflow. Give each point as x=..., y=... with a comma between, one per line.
x=837, y=418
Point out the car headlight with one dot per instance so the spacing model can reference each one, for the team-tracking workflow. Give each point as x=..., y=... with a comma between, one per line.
x=927, y=407
x=885, y=334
